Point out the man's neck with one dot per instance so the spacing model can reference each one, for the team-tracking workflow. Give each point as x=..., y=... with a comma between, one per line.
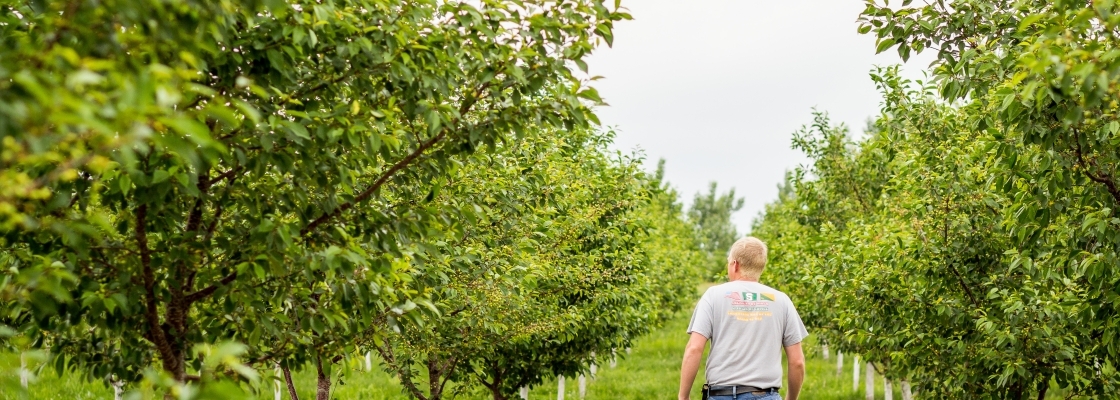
x=755, y=280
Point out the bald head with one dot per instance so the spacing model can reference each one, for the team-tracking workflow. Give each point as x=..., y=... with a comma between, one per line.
x=750, y=254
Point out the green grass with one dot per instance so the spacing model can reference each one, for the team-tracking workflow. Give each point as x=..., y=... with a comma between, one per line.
x=652, y=370
x=47, y=384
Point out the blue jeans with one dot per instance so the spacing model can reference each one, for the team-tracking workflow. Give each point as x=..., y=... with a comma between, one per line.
x=749, y=396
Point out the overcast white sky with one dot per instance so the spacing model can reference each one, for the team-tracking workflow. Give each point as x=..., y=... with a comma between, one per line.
x=717, y=87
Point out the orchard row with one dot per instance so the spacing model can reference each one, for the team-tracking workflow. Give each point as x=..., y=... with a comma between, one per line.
x=968, y=241
x=193, y=192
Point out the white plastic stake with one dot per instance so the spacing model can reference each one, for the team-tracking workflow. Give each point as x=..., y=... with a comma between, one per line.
x=888, y=389
x=560, y=388
x=524, y=393
x=582, y=386
x=118, y=389
x=869, y=370
x=824, y=350
x=906, y=394
x=855, y=374
x=23, y=371
x=839, y=362
x=277, y=391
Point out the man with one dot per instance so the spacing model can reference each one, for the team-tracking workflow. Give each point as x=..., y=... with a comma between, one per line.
x=748, y=323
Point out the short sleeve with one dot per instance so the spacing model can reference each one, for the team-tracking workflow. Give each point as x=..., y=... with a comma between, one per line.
x=702, y=318
x=794, y=330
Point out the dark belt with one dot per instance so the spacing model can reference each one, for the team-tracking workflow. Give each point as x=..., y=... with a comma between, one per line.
x=733, y=390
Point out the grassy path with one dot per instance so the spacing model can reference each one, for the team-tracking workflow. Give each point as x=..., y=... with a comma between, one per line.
x=652, y=371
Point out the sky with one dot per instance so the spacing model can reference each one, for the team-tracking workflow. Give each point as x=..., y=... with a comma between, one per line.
x=718, y=87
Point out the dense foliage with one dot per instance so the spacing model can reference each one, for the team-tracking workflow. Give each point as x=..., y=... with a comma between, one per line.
x=575, y=255
x=215, y=188
x=710, y=215
x=969, y=241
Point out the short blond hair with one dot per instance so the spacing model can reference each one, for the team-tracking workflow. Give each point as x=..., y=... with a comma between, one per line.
x=750, y=252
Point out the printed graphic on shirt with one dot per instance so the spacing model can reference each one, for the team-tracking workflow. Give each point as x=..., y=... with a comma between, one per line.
x=750, y=306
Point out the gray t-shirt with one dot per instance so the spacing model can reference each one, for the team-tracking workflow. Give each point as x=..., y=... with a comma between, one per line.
x=749, y=324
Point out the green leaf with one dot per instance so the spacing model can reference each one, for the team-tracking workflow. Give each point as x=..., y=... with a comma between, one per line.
x=124, y=182
x=298, y=130
x=160, y=176
x=1029, y=20
x=884, y=45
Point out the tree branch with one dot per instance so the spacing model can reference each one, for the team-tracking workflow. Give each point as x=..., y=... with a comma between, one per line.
x=1105, y=179
x=952, y=267
x=404, y=375
x=472, y=99
x=376, y=184
x=291, y=386
x=214, y=222
x=225, y=175
x=209, y=290
x=151, y=312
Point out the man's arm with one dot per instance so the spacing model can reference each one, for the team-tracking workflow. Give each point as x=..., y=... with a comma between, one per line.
x=691, y=364
x=795, y=360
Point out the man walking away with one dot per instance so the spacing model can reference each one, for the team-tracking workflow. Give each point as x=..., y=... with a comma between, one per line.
x=749, y=324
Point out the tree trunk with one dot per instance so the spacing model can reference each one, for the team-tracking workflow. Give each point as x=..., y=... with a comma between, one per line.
x=495, y=388
x=437, y=378
x=839, y=363
x=906, y=393
x=582, y=386
x=524, y=393
x=560, y=388
x=824, y=351
x=291, y=386
x=323, y=382
x=888, y=389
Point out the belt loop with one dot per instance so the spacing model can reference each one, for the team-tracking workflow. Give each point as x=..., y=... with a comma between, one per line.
x=734, y=392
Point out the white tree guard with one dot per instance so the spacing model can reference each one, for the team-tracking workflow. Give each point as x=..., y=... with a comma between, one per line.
x=888, y=389
x=118, y=387
x=824, y=351
x=560, y=388
x=839, y=363
x=369, y=362
x=855, y=374
x=278, y=390
x=23, y=371
x=869, y=381
x=906, y=394
x=582, y=386
x=524, y=393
